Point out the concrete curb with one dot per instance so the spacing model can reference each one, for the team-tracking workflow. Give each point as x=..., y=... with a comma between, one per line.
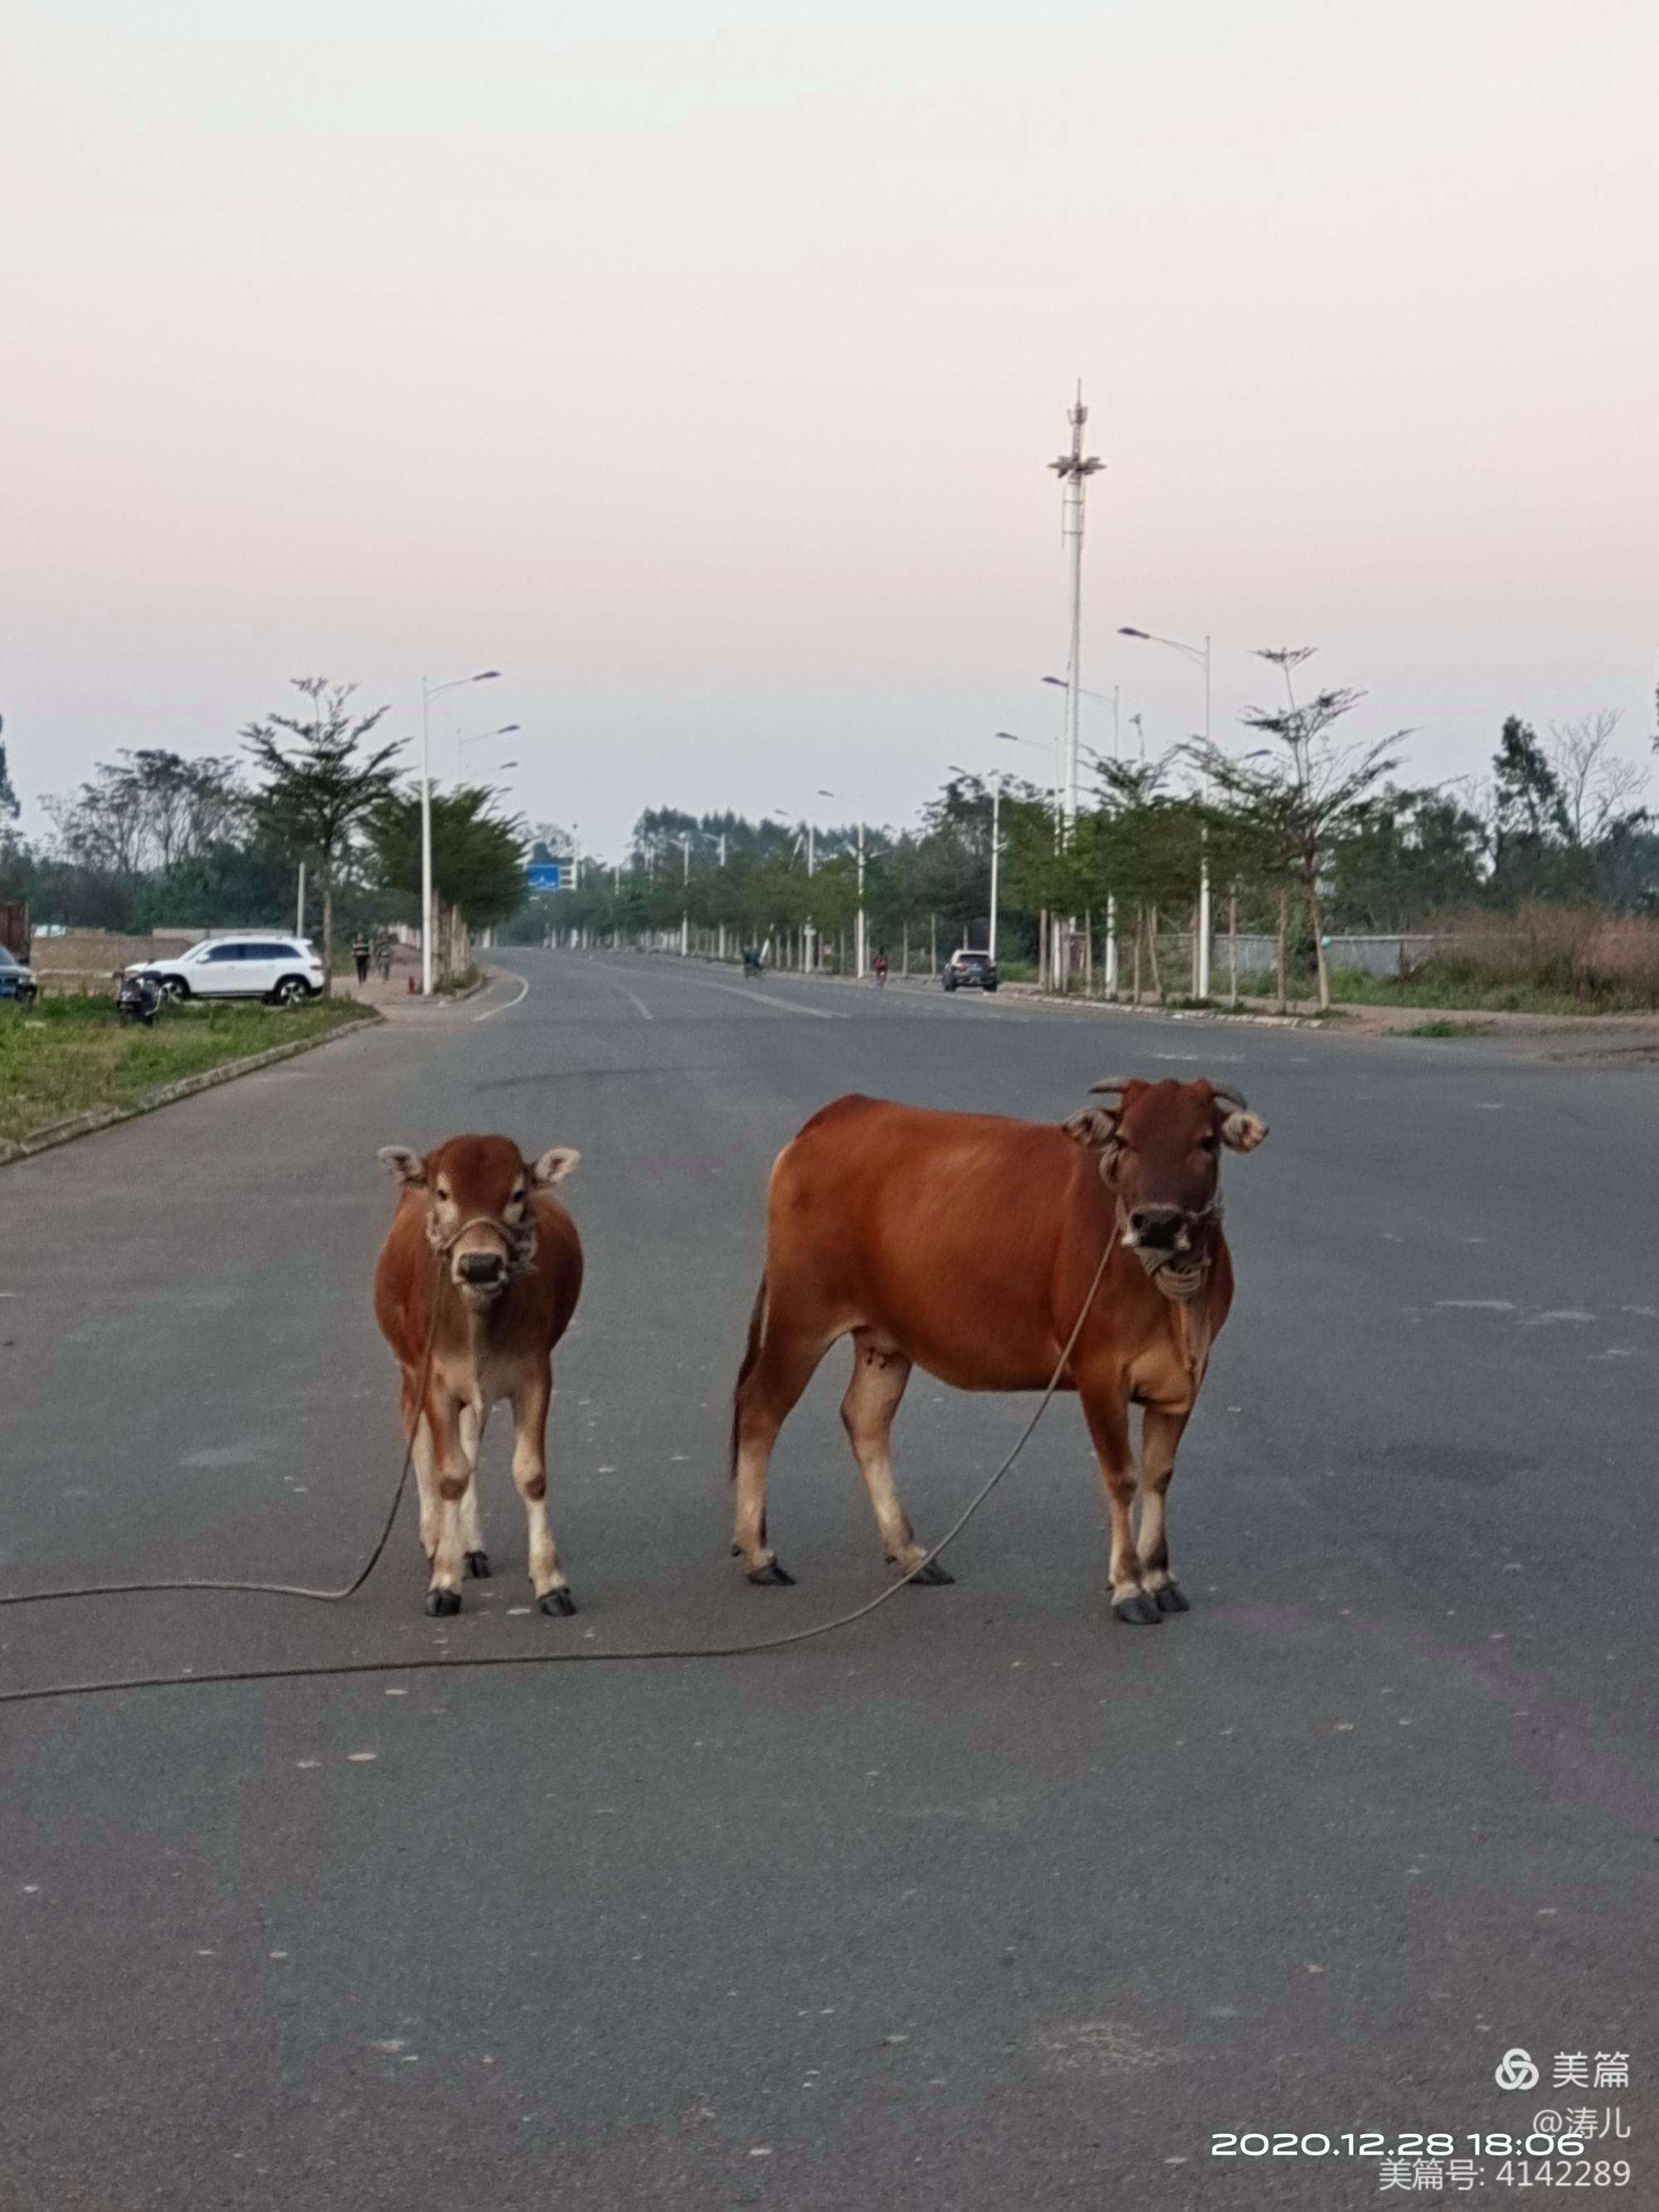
x=168, y=1094
x=397, y=1009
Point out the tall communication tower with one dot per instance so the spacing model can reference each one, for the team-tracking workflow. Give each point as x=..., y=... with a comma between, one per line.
x=1074, y=471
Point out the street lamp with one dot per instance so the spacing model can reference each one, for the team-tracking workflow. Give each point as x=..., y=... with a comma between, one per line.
x=1201, y=656
x=994, y=778
x=429, y=693
x=859, y=934
x=506, y=730
x=1107, y=698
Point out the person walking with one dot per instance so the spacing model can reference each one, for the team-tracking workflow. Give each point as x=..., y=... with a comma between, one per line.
x=383, y=956
x=360, y=950
x=881, y=970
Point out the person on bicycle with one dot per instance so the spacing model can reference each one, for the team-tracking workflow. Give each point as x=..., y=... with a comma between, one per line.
x=881, y=967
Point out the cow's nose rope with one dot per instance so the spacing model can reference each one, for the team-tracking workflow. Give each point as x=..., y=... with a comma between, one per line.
x=524, y=1658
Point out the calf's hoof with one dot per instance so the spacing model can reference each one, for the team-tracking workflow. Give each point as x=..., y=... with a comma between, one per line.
x=1139, y=1611
x=442, y=1603
x=1170, y=1600
x=931, y=1577
x=477, y=1564
x=559, y=1604
x=774, y=1573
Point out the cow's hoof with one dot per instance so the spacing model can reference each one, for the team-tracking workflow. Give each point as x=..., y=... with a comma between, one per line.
x=440, y=1603
x=1139, y=1611
x=558, y=1603
x=931, y=1577
x=773, y=1573
x=1170, y=1600
x=477, y=1565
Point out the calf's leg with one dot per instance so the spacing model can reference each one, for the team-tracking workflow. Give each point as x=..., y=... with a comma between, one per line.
x=531, y=1401
x=1160, y=1437
x=1105, y=1406
x=453, y=1476
x=472, y=1543
x=880, y=1371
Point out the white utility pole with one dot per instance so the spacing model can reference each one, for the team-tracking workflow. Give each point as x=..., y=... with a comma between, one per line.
x=996, y=848
x=1074, y=470
x=1199, y=655
x=429, y=693
x=300, y=909
x=860, y=928
x=685, y=881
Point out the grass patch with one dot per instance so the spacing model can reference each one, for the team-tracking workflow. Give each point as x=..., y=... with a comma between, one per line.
x=1446, y=1029
x=65, y=1056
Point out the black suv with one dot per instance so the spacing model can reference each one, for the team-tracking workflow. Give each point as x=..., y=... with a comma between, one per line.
x=970, y=971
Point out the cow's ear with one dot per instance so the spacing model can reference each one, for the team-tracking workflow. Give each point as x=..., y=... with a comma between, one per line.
x=1092, y=1125
x=1242, y=1132
x=553, y=1165
x=409, y=1167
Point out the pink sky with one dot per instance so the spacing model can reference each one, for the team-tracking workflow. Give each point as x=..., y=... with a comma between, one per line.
x=702, y=380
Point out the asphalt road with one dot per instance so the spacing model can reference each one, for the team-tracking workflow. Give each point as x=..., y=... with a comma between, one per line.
x=987, y=1902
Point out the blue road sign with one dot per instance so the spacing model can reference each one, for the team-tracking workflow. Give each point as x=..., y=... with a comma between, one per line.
x=546, y=876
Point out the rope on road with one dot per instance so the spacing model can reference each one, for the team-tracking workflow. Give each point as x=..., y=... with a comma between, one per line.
x=652, y=1653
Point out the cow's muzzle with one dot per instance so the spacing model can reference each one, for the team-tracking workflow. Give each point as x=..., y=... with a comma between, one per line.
x=481, y=1271
x=1161, y=1229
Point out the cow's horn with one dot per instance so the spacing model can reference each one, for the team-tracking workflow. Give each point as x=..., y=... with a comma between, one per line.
x=1113, y=1082
x=1237, y=1097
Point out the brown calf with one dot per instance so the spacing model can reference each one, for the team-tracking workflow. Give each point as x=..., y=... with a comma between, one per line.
x=475, y=1285
x=965, y=1245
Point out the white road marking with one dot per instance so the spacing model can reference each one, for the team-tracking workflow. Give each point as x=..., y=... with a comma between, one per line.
x=643, y=1010
x=750, y=992
x=489, y=1014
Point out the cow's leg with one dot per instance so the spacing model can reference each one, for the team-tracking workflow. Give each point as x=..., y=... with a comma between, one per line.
x=1105, y=1406
x=766, y=1396
x=531, y=1401
x=1160, y=1438
x=425, y=1473
x=472, y=1543
x=880, y=1371
x=453, y=1477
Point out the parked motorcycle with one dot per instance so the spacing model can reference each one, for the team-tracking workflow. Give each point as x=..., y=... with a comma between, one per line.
x=137, y=999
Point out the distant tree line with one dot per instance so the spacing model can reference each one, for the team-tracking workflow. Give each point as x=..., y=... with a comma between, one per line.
x=1306, y=832
x=154, y=839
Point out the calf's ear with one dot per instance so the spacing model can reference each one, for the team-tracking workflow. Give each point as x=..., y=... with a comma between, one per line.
x=553, y=1165
x=1242, y=1132
x=409, y=1167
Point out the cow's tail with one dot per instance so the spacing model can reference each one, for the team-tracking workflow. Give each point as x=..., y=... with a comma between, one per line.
x=751, y=1352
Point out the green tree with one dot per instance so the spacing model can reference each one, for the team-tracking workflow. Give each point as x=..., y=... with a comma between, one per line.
x=322, y=780
x=1416, y=854
x=1312, y=791
x=9, y=809
x=477, y=858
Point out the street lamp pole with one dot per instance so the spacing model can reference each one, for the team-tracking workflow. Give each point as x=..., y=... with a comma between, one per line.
x=860, y=953
x=1200, y=655
x=995, y=779
x=429, y=693
x=685, y=894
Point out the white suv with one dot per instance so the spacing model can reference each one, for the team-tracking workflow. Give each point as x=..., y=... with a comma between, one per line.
x=283, y=969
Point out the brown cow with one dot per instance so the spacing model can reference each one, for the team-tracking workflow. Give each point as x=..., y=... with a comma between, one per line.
x=478, y=1233
x=965, y=1245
